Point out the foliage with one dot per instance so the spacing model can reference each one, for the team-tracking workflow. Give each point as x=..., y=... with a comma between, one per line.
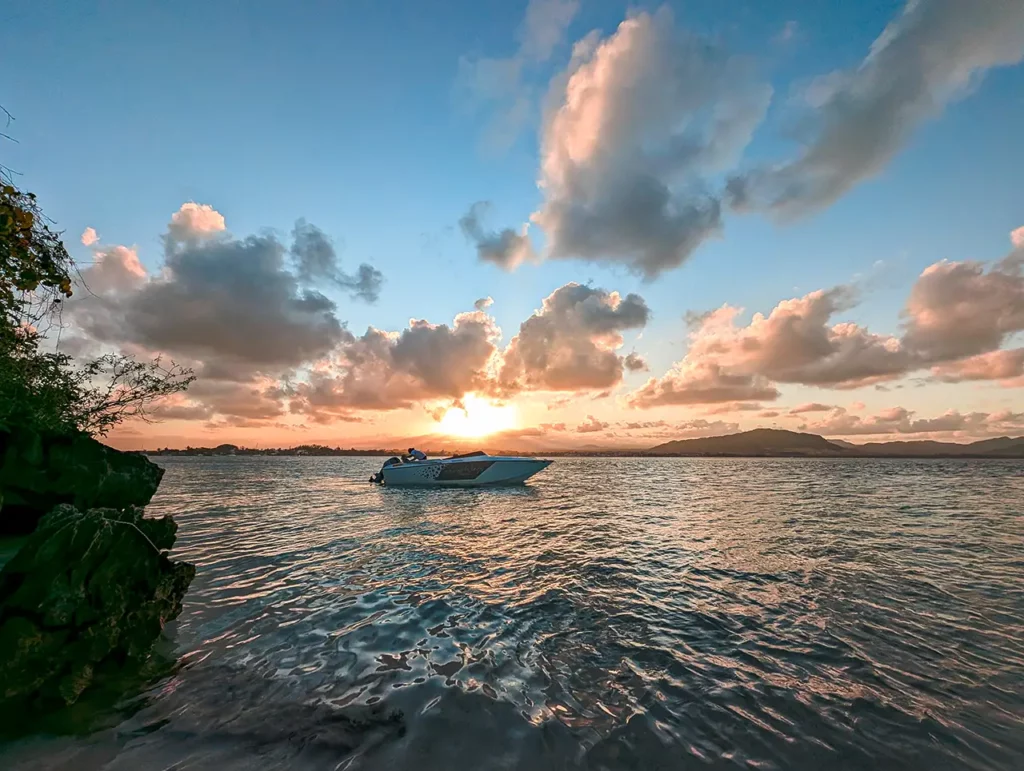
x=46, y=390
x=35, y=268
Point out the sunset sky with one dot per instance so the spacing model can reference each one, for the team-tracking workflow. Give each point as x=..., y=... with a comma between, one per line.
x=548, y=225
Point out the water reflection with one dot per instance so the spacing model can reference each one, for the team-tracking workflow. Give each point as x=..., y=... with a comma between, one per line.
x=612, y=614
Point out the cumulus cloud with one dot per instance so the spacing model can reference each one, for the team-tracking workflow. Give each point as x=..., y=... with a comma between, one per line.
x=506, y=248
x=643, y=425
x=317, y=262
x=899, y=420
x=89, y=237
x=641, y=123
x=1017, y=238
x=502, y=83
x=795, y=343
x=553, y=427
x=193, y=222
x=1007, y=366
x=386, y=371
x=233, y=303
x=115, y=269
x=931, y=54
x=483, y=303
x=705, y=382
x=591, y=425
x=630, y=131
x=175, y=408
x=571, y=343
x=957, y=317
x=634, y=362
x=687, y=429
x=959, y=309
x=233, y=299
x=261, y=399
x=243, y=312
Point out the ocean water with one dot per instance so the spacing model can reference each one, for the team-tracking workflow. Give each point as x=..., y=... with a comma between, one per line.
x=611, y=614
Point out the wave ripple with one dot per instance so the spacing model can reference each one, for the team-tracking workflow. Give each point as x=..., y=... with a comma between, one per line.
x=616, y=613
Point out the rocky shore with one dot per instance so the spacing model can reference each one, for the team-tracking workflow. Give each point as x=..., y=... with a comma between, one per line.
x=92, y=586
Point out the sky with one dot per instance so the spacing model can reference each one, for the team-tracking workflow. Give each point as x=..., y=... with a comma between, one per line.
x=544, y=224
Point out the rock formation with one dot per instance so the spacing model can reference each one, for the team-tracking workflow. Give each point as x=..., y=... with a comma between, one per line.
x=88, y=590
x=39, y=471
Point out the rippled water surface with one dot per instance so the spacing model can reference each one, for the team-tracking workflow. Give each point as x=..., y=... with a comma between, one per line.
x=614, y=613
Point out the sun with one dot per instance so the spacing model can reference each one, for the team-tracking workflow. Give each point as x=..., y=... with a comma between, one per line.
x=480, y=418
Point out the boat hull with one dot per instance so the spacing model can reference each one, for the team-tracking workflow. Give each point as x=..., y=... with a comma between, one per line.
x=477, y=472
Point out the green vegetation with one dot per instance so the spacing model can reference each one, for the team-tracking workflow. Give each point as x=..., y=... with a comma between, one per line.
x=42, y=389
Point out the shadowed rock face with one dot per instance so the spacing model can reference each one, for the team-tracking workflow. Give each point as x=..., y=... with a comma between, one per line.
x=40, y=471
x=88, y=590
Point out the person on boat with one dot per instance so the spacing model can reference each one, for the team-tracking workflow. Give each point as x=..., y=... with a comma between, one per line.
x=415, y=454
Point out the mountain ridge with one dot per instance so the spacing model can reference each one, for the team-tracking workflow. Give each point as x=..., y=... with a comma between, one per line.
x=767, y=442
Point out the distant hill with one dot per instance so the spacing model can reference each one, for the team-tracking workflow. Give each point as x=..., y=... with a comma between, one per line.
x=1004, y=446
x=842, y=443
x=776, y=442
x=760, y=441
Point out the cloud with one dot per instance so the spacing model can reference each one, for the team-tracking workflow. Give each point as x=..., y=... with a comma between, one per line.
x=231, y=303
x=591, y=425
x=483, y=303
x=571, y=343
x=996, y=365
x=958, y=309
x=643, y=425
x=115, y=269
x=705, y=382
x=502, y=83
x=796, y=344
x=630, y=131
x=899, y=420
x=506, y=249
x=1017, y=238
x=194, y=221
x=180, y=409
x=957, y=317
x=727, y=362
x=930, y=55
x=811, y=407
x=634, y=362
x=316, y=262
x=768, y=414
x=687, y=429
x=233, y=299
x=261, y=399
x=387, y=371
x=728, y=407
x=641, y=124
x=245, y=313
x=89, y=237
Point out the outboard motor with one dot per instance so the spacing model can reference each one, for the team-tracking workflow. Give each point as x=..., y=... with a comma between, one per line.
x=378, y=478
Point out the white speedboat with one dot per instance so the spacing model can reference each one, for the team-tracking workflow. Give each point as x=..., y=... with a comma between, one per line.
x=472, y=470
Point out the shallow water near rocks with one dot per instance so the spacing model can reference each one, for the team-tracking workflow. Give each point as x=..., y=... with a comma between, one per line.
x=611, y=614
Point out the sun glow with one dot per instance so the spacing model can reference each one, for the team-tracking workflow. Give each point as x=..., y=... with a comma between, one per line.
x=479, y=418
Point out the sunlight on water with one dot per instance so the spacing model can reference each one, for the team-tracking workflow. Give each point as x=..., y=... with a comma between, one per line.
x=617, y=613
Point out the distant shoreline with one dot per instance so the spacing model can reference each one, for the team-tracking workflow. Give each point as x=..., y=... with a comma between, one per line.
x=757, y=443
x=573, y=454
